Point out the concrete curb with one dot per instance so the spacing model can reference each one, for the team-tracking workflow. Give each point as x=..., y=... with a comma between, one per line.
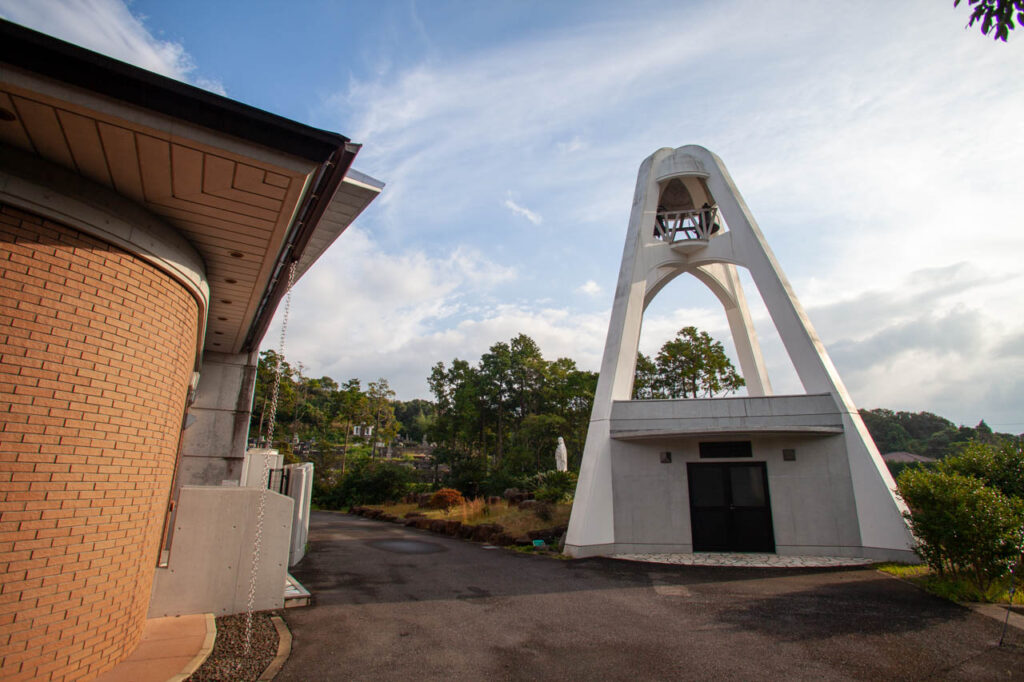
x=996, y=612
x=203, y=653
x=284, y=649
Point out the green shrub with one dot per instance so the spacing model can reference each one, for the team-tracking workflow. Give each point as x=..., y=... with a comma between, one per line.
x=963, y=527
x=446, y=498
x=367, y=481
x=554, y=486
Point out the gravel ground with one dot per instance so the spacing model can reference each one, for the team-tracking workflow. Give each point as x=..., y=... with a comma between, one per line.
x=229, y=661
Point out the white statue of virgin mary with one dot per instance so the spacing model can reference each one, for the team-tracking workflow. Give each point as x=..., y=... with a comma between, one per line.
x=561, y=456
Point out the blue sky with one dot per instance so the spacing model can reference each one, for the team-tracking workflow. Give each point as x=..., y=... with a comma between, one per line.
x=878, y=144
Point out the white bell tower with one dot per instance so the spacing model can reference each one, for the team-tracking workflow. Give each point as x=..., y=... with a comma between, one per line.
x=795, y=475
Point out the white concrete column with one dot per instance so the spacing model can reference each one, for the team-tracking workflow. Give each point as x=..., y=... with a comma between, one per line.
x=592, y=523
x=214, y=441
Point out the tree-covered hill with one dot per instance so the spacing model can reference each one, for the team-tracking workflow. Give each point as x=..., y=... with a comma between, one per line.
x=924, y=433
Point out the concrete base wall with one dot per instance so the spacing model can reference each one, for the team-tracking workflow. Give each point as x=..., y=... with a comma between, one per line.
x=211, y=557
x=812, y=502
x=879, y=554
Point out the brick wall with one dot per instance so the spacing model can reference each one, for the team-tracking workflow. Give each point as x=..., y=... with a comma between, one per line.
x=96, y=349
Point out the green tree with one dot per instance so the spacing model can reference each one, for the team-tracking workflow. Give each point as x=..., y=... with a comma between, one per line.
x=997, y=15
x=265, y=377
x=350, y=408
x=379, y=404
x=568, y=392
x=499, y=421
x=887, y=432
x=692, y=365
x=496, y=385
x=645, y=378
x=414, y=417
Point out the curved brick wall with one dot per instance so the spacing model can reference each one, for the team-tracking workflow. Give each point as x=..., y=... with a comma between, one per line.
x=96, y=349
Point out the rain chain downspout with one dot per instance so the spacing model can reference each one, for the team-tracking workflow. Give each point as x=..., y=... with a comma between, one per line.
x=272, y=422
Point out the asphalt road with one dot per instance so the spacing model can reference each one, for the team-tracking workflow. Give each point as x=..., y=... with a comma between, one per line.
x=392, y=603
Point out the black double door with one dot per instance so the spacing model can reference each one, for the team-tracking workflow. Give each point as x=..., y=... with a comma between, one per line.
x=729, y=507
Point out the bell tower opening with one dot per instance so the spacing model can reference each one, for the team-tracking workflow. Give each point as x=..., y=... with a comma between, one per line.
x=687, y=215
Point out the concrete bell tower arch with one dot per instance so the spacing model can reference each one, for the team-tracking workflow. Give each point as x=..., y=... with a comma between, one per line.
x=642, y=485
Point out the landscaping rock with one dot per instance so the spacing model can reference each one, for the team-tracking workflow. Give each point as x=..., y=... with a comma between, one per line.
x=451, y=528
x=527, y=504
x=548, y=535
x=485, y=531
x=524, y=540
x=503, y=539
x=413, y=515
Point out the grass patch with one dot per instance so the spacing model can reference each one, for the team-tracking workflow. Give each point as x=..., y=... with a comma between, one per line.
x=951, y=588
x=907, y=571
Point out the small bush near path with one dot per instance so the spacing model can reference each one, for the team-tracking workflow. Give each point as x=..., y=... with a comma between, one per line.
x=446, y=498
x=965, y=529
x=967, y=515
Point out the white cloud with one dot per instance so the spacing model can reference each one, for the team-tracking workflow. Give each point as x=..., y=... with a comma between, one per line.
x=890, y=152
x=523, y=211
x=108, y=27
x=590, y=288
x=574, y=145
x=361, y=310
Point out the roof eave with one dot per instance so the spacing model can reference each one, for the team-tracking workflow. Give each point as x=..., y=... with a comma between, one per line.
x=67, y=63
x=317, y=199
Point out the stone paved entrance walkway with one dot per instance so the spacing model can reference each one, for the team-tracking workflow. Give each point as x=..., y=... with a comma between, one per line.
x=747, y=560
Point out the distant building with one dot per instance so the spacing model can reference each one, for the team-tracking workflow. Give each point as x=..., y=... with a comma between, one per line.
x=146, y=231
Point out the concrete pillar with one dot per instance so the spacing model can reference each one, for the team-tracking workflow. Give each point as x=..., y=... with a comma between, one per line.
x=214, y=443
